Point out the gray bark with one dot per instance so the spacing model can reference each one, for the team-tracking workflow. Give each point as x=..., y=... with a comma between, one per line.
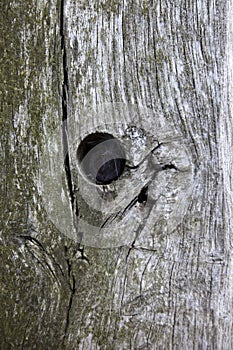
x=81, y=267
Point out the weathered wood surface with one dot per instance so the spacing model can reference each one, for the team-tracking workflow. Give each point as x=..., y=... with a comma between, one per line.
x=164, y=67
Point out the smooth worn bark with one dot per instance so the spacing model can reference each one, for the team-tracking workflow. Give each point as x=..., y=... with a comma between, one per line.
x=144, y=262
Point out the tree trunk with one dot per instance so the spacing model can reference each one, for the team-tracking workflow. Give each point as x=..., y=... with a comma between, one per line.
x=144, y=262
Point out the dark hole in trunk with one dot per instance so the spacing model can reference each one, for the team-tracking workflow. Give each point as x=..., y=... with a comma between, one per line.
x=101, y=158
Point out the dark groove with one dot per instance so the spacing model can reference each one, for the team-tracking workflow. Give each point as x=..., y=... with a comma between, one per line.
x=44, y=266
x=65, y=100
x=169, y=166
x=65, y=90
x=40, y=245
x=140, y=198
x=69, y=309
x=72, y=286
x=143, y=195
x=132, y=167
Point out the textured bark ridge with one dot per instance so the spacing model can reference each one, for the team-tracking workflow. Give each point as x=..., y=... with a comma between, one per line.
x=143, y=262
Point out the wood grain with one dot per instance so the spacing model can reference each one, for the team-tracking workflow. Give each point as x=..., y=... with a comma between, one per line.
x=90, y=268
x=169, y=286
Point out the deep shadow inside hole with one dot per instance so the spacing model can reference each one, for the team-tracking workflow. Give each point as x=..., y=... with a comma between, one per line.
x=142, y=197
x=101, y=158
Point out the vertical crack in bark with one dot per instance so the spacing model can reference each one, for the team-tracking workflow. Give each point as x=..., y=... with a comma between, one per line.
x=174, y=327
x=65, y=91
x=72, y=287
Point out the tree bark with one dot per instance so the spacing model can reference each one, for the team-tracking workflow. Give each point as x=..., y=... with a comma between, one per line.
x=97, y=267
